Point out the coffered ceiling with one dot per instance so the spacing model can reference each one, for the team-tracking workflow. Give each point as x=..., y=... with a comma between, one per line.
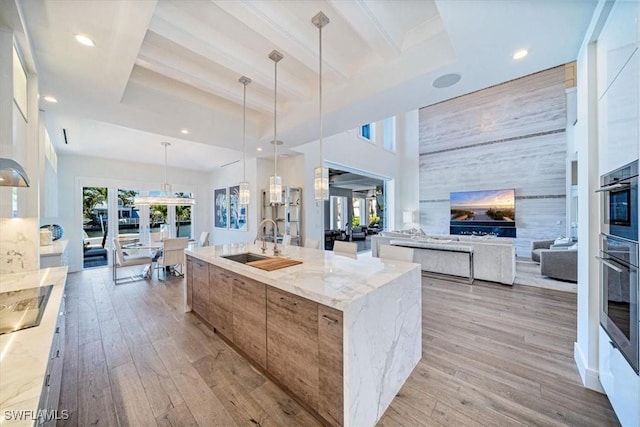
x=162, y=66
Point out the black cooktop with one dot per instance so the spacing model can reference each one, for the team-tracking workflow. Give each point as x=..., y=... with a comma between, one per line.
x=23, y=308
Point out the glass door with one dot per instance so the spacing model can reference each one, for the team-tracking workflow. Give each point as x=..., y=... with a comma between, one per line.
x=95, y=215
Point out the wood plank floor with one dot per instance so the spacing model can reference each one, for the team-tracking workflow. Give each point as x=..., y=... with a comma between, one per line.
x=492, y=355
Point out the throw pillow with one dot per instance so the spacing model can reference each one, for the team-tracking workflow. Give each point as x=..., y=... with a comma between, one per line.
x=562, y=240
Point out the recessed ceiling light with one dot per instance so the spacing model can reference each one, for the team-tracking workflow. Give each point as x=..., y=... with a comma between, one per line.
x=520, y=54
x=184, y=131
x=259, y=149
x=85, y=40
x=446, y=80
x=51, y=99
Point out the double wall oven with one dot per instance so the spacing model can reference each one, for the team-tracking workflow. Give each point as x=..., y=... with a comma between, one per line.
x=620, y=307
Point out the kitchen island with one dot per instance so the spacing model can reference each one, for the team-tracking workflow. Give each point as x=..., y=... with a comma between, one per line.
x=341, y=335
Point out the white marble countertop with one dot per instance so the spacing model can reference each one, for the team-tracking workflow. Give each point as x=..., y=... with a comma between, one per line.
x=24, y=354
x=324, y=277
x=56, y=248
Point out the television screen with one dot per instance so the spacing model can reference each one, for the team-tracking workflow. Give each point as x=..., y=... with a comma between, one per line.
x=483, y=212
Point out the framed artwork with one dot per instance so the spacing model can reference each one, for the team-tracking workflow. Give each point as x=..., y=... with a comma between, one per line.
x=237, y=212
x=221, y=208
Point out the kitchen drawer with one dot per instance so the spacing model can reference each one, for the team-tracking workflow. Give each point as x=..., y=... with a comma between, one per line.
x=250, y=318
x=292, y=343
x=330, y=350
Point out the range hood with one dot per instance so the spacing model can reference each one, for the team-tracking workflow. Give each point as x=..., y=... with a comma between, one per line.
x=12, y=174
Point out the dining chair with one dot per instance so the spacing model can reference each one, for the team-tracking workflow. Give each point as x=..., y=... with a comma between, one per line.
x=121, y=260
x=155, y=236
x=286, y=240
x=395, y=253
x=345, y=248
x=172, y=255
x=311, y=243
x=204, y=239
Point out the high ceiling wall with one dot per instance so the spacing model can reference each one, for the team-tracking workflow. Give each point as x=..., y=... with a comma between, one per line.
x=511, y=135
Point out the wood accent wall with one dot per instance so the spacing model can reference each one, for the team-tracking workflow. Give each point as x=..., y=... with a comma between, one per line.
x=511, y=135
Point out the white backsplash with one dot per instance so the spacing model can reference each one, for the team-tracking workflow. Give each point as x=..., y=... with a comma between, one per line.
x=18, y=245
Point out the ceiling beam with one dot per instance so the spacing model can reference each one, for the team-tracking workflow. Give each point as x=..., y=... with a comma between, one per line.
x=297, y=38
x=230, y=54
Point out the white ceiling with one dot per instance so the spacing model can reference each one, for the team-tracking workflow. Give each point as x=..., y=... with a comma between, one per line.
x=161, y=66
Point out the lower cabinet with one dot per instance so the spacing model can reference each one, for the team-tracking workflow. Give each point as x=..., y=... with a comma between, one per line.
x=250, y=318
x=292, y=343
x=619, y=381
x=330, y=350
x=53, y=378
x=199, y=279
x=221, y=301
x=298, y=342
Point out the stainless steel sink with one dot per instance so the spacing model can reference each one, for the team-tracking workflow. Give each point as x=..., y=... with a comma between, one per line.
x=245, y=258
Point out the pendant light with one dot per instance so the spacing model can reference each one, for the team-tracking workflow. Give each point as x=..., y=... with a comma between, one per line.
x=166, y=196
x=275, y=182
x=244, y=196
x=321, y=174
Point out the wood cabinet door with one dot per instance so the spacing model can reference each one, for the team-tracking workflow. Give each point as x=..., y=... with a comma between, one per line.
x=221, y=300
x=292, y=343
x=189, y=282
x=200, y=287
x=250, y=318
x=330, y=350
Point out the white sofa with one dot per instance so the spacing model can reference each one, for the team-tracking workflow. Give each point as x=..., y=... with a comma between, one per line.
x=494, y=258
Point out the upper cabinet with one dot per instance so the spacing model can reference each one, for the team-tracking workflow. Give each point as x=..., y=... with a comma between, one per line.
x=619, y=88
x=617, y=42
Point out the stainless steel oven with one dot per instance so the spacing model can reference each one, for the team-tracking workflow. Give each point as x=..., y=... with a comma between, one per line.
x=619, y=190
x=619, y=311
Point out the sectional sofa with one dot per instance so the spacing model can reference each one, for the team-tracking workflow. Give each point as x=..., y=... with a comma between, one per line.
x=494, y=258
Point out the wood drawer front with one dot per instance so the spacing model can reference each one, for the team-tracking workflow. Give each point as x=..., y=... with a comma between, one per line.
x=190, y=282
x=292, y=343
x=221, y=281
x=221, y=320
x=200, y=288
x=220, y=301
x=250, y=318
x=330, y=351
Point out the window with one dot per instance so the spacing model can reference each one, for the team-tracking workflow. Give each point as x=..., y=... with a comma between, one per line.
x=389, y=133
x=367, y=132
x=183, y=218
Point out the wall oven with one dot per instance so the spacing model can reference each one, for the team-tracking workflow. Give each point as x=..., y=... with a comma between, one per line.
x=619, y=287
x=620, y=193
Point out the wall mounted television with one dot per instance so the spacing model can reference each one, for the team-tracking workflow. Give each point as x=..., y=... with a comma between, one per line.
x=486, y=212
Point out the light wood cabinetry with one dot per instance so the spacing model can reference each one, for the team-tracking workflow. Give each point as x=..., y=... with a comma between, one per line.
x=199, y=280
x=292, y=343
x=220, y=301
x=250, y=318
x=297, y=342
x=330, y=350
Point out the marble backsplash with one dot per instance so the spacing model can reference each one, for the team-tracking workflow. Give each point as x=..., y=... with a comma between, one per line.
x=19, y=245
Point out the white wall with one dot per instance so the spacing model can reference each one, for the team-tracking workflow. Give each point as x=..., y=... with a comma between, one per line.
x=226, y=177
x=75, y=172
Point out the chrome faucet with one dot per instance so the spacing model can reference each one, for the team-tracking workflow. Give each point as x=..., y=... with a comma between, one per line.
x=260, y=234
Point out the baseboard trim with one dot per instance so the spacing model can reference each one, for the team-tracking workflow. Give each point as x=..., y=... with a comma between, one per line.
x=590, y=377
